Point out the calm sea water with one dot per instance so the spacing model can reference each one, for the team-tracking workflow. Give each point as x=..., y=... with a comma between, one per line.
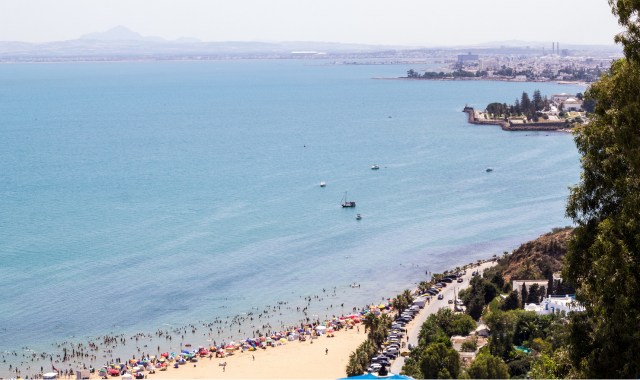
x=139, y=195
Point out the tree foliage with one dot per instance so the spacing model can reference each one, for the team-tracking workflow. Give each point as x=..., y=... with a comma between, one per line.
x=487, y=366
x=440, y=362
x=603, y=261
x=479, y=294
x=360, y=358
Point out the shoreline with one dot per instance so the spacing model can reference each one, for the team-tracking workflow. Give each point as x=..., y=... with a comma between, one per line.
x=287, y=360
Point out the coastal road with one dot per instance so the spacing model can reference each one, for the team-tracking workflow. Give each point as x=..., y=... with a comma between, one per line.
x=413, y=327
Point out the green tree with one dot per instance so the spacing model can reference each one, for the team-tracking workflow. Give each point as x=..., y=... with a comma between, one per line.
x=526, y=105
x=603, y=261
x=554, y=366
x=354, y=368
x=538, y=104
x=440, y=361
x=524, y=295
x=532, y=297
x=512, y=301
x=487, y=366
x=496, y=109
x=502, y=326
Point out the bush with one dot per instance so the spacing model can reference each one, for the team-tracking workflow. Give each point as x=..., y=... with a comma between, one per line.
x=470, y=345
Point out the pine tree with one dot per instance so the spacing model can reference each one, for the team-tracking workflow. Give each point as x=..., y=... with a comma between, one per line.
x=603, y=261
x=524, y=295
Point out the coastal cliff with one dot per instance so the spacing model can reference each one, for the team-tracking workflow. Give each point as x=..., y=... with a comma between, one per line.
x=507, y=125
x=535, y=258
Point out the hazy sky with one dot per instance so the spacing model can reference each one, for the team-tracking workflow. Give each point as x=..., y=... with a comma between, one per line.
x=392, y=22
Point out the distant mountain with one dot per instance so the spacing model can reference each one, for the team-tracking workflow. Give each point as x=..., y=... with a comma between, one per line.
x=119, y=33
x=121, y=43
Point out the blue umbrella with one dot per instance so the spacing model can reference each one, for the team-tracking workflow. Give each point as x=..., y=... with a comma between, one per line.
x=393, y=376
x=396, y=376
x=365, y=376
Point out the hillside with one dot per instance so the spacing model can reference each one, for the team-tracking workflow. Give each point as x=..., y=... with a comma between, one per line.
x=536, y=258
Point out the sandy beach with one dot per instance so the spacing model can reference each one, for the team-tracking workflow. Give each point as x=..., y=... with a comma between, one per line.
x=321, y=358
x=325, y=358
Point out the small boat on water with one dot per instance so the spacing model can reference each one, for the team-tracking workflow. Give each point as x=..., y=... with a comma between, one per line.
x=375, y=167
x=323, y=184
x=346, y=203
x=358, y=217
x=489, y=170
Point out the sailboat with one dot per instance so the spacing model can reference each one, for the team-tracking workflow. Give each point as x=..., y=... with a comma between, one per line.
x=346, y=203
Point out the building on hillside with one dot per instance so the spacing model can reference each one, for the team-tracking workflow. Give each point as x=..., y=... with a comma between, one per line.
x=517, y=284
x=556, y=305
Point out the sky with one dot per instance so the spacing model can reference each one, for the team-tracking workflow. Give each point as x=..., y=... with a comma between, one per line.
x=378, y=22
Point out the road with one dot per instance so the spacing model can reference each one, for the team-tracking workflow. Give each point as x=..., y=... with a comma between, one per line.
x=413, y=327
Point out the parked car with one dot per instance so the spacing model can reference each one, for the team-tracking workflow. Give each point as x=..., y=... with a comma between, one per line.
x=440, y=296
x=450, y=301
x=392, y=355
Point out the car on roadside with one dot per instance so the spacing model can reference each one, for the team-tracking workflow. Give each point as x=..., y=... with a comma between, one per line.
x=440, y=296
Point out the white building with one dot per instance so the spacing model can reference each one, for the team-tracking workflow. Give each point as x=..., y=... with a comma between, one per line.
x=555, y=304
x=559, y=98
x=572, y=104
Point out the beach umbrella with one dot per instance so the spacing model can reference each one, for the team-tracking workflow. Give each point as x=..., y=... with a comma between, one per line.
x=365, y=376
x=396, y=376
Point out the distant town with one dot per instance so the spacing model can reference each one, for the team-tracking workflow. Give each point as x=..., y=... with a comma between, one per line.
x=555, y=64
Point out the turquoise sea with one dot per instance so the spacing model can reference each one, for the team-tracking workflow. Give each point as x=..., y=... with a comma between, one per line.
x=140, y=195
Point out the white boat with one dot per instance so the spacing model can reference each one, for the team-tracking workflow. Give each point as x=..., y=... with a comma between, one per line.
x=346, y=203
x=375, y=167
x=323, y=184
